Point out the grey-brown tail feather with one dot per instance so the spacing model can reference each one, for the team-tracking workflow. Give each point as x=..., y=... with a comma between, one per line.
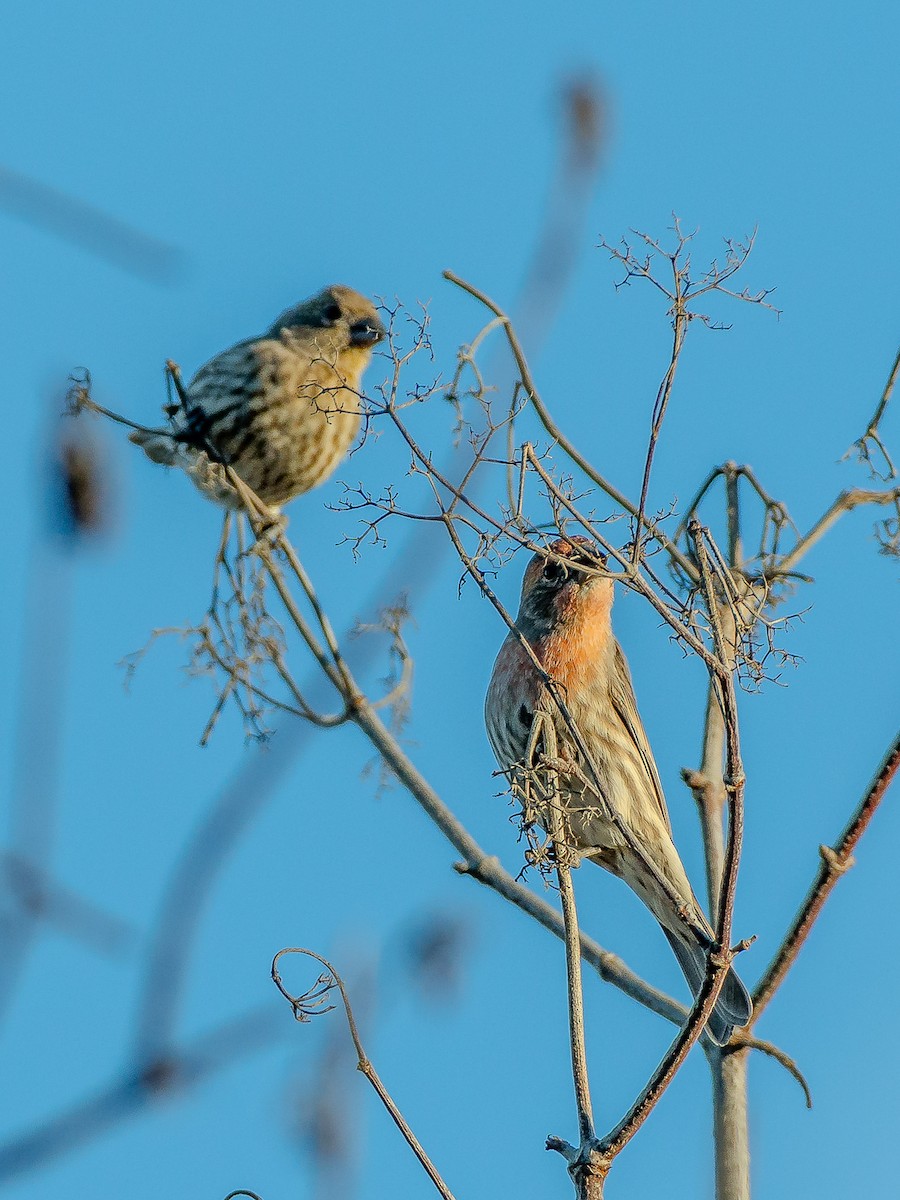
x=733, y=1007
x=158, y=445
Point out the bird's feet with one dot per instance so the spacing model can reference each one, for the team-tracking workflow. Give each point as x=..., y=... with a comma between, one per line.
x=270, y=527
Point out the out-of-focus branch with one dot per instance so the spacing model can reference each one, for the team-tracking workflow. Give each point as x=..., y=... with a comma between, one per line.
x=301, y=1009
x=45, y=898
x=75, y=504
x=189, y=888
x=836, y=861
x=559, y=243
x=98, y=232
x=138, y=1087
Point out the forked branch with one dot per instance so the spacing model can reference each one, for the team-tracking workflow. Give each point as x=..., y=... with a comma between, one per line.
x=872, y=436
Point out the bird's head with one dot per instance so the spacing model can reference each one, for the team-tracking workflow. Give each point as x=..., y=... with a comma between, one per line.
x=564, y=584
x=343, y=318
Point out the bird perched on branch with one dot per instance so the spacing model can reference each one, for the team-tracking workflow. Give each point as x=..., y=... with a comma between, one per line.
x=612, y=802
x=281, y=409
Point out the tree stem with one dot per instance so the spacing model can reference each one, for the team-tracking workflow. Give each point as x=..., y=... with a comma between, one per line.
x=731, y=1130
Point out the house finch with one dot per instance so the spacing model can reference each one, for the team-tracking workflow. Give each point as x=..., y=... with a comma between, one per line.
x=564, y=617
x=281, y=409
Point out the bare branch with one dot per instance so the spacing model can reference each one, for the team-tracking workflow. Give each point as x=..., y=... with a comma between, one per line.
x=680, y=321
x=872, y=434
x=587, y=1166
x=553, y=429
x=33, y=892
x=836, y=861
x=845, y=502
x=741, y=1039
x=722, y=955
x=311, y=1001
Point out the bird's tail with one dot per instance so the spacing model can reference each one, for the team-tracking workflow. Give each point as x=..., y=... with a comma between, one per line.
x=734, y=1006
x=159, y=445
x=690, y=935
x=210, y=477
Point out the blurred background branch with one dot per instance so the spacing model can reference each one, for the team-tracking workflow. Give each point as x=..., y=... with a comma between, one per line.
x=97, y=232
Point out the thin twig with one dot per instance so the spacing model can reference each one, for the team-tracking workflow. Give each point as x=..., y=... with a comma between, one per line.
x=722, y=955
x=741, y=1040
x=587, y=1166
x=836, y=861
x=556, y=433
x=729, y=1071
x=681, y=320
x=734, y=771
x=861, y=445
x=543, y=734
x=364, y=1064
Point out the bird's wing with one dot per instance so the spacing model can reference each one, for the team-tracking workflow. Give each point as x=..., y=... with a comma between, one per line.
x=508, y=713
x=622, y=695
x=230, y=381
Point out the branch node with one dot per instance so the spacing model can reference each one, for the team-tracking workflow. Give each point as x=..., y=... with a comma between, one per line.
x=561, y=1146
x=743, y=944
x=742, y=1041
x=477, y=868
x=695, y=780
x=834, y=862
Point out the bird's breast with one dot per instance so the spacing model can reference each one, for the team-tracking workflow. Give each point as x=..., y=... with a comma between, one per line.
x=577, y=655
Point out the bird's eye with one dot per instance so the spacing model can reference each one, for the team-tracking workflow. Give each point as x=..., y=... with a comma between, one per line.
x=554, y=572
x=332, y=312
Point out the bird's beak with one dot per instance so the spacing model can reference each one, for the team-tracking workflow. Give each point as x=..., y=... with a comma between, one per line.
x=367, y=332
x=589, y=558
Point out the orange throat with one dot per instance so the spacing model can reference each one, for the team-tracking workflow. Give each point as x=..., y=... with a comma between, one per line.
x=575, y=652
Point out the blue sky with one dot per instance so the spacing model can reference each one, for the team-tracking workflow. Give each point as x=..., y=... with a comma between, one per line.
x=281, y=149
